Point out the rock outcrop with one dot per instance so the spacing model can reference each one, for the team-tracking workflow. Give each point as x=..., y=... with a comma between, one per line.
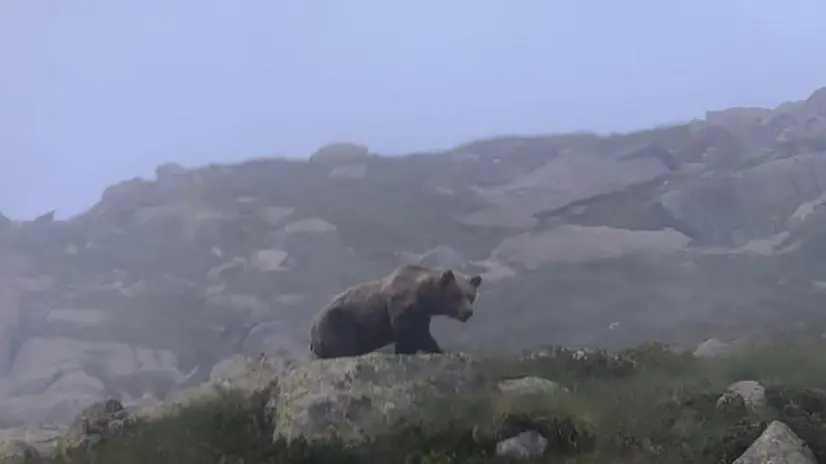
x=777, y=444
x=354, y=399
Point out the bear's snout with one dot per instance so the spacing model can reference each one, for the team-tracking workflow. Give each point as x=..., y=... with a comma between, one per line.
x=464, y=315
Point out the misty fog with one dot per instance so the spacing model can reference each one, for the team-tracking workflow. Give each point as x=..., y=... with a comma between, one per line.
x=184, y=185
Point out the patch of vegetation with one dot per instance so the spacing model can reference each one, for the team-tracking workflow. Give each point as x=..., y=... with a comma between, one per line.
x=642, y=405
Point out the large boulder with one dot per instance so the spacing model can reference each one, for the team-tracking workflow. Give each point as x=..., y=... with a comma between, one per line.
x=732, y=209
x=95, y=424
x=354, y=399
x=778, y=443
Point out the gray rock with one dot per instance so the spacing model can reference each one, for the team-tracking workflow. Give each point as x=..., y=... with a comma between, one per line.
x=358, y=398
x=750, y=392
x=273, y=215
x=44, y=218
x=777, y=444
x=167, y=171
x=351, y=171
x=68, y=319
x=97, y=423
x=232, y=366
x=732, y=209
x=268, y=259
x=530, y=385
x=309, y=225
x=567, y=179
x=275, y=339
x=712, y=348
x=259, y=376
x=526, y=445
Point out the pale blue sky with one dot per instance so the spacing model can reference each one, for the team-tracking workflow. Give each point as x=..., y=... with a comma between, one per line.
x=96, y=91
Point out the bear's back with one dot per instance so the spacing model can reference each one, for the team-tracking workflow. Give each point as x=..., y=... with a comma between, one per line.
x=408, y=277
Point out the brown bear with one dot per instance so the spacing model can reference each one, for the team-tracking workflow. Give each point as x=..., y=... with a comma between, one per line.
x=395, y=309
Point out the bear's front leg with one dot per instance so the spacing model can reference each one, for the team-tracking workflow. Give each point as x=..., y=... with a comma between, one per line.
x=414, y=344
x=412, y=333
x=406, y=347
x=429, y=345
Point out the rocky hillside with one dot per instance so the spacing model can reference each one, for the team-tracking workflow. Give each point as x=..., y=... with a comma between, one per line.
x=640, y=405
x=680, y=233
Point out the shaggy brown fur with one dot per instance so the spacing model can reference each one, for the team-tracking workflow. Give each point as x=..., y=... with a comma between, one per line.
x=395, y=309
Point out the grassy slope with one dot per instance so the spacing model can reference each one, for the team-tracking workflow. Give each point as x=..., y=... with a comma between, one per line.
x=662, y=411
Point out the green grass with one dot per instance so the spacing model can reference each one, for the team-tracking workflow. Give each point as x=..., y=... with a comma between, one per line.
x=640, y=405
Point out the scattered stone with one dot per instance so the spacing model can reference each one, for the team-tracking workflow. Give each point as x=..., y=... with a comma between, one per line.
x=530, y=386
x=526, y=445
x=95, y=424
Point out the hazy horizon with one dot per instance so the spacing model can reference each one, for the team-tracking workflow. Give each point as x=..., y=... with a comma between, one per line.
x=100, y=92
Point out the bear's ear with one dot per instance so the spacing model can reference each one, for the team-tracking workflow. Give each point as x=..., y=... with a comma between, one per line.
x=476, y=281
x=447, y=278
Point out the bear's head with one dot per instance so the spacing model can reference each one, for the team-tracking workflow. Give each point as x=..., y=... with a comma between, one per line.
x=455, y=295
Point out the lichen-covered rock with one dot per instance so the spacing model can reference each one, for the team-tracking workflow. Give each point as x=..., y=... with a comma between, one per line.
x=777, y=444
x=358, y=398
x=98, y=422
x=529, y=385
x=526, y=445
x=750, y=392
x=18, y=452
